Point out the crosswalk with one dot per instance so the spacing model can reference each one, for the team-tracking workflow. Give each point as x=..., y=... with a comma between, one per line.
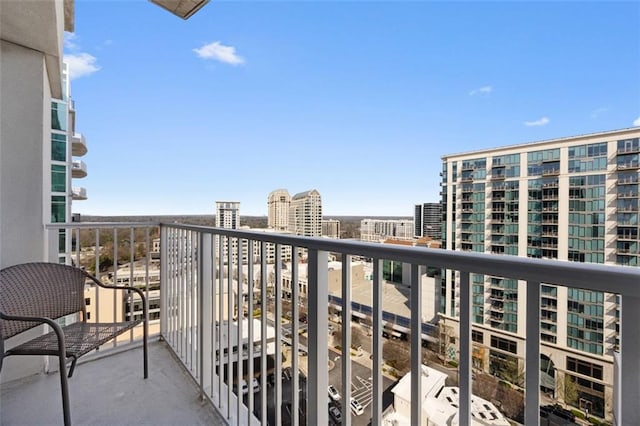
x=361, y=389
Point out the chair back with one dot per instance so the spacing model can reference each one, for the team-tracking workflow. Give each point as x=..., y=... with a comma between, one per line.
x=40, y=289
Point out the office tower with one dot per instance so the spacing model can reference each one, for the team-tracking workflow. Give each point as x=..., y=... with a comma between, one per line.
x=572, y=199
x=376, y=230
x=278, y=207
x=305, y=214
x=428, y=220
x=331, y=228
x=228, y=214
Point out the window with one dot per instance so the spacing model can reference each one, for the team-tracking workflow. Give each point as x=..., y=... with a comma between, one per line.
x=58, y=147
x=504, y=344
x=477, y=336
x=87, y=301
x=58, y=178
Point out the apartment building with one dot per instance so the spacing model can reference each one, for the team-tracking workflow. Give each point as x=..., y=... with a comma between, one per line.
x=331, y=228
x=427, y=220
x=305, y=214
x=227, y=214
x=376, y=230
x=571, y=199
x=278, y=204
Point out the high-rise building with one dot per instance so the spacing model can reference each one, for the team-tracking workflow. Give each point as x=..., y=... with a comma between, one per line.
x=305, y=214
x=331, y=228
x=572, y=199
x=228, y=214
x=428, y=220
x=278, y=206
x=376, y=230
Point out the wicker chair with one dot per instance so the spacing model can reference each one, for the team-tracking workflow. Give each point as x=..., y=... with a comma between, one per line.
x=32, y=294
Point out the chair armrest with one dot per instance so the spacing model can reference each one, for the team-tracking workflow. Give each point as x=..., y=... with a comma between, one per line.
x=117, y=287
x=43, y=320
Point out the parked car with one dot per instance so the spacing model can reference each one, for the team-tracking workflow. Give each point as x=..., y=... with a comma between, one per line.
x=335, y=414
x=333, y=393
x=356, y=407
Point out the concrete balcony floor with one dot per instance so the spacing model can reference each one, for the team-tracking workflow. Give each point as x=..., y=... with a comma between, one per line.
x=111, y=391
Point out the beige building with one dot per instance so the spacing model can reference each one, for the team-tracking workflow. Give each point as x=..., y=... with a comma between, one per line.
x=305, y=214
x=331, y=228
x=278, y=207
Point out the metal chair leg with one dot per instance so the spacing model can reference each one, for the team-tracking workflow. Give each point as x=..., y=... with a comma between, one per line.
x=66, y=408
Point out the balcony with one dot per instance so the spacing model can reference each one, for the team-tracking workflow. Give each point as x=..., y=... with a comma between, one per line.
x=78, y=145
x=630, y=165
x=194, y=324
x=79, y=193
x=78, y=169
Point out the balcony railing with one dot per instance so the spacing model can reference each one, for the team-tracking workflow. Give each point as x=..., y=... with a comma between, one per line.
x=78, y=169
x=203, y=302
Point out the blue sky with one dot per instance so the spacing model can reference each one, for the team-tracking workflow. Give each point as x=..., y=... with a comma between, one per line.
x=358, y=100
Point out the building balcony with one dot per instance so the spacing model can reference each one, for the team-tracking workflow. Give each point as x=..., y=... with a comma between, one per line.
x=197, y=321
x=78, y=145
x=551, y=172
x=629, y=165
x=78, y=169
x=628, y=150
x=497, y=176
x=79, y=193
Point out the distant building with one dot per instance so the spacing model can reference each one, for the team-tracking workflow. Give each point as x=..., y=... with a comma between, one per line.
x=331, y=228
x=428, y=220
x=376, y=230
x=305, y=214
x=278, y=205
x=227, y=214
x=439, y=404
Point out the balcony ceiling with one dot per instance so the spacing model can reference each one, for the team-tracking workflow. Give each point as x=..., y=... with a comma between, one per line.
x=35, y=25
x=181, y=8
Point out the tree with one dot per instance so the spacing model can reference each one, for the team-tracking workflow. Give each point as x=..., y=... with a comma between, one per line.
x=568, y=389
x=397, y=356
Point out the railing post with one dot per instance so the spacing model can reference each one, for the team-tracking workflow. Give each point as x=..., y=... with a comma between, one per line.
x=205, y=322
x=318, y=382
x=464, y=367
x=416, y=346
x=630, y=362
x=376, y=391
x=532, y=355
x=346, y=337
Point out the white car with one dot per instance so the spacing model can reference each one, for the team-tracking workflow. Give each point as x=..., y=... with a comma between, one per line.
x=356, y=408
x=255, y=384
x=333, y=393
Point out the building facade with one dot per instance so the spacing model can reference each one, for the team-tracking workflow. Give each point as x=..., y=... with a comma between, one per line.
x=227, y=214
x=572, y=199
x=331, y=228
x=376, y=230
x=428, y=220
x=305, y=214
x=278, y=207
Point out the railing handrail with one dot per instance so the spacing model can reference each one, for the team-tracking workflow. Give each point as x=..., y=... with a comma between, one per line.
x=90, y=225
x=589, y=276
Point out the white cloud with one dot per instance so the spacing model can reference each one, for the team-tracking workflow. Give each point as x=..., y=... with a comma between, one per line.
x=484, y=90
x=69, y=42
x=81, y=64
x=636, y=122
x=542, y=122
x=219, y=52
x=598, y=112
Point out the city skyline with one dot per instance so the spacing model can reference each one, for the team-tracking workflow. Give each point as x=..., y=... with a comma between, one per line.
x=358, y=100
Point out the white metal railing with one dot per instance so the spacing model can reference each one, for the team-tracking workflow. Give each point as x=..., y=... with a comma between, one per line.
x=107, y=249
x=200, y=265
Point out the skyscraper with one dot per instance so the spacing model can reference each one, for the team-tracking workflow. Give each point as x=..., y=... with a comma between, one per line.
x=228, y=214
x=278, y=205
x=305, y=214
x=572, y=199
x=428, y=220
